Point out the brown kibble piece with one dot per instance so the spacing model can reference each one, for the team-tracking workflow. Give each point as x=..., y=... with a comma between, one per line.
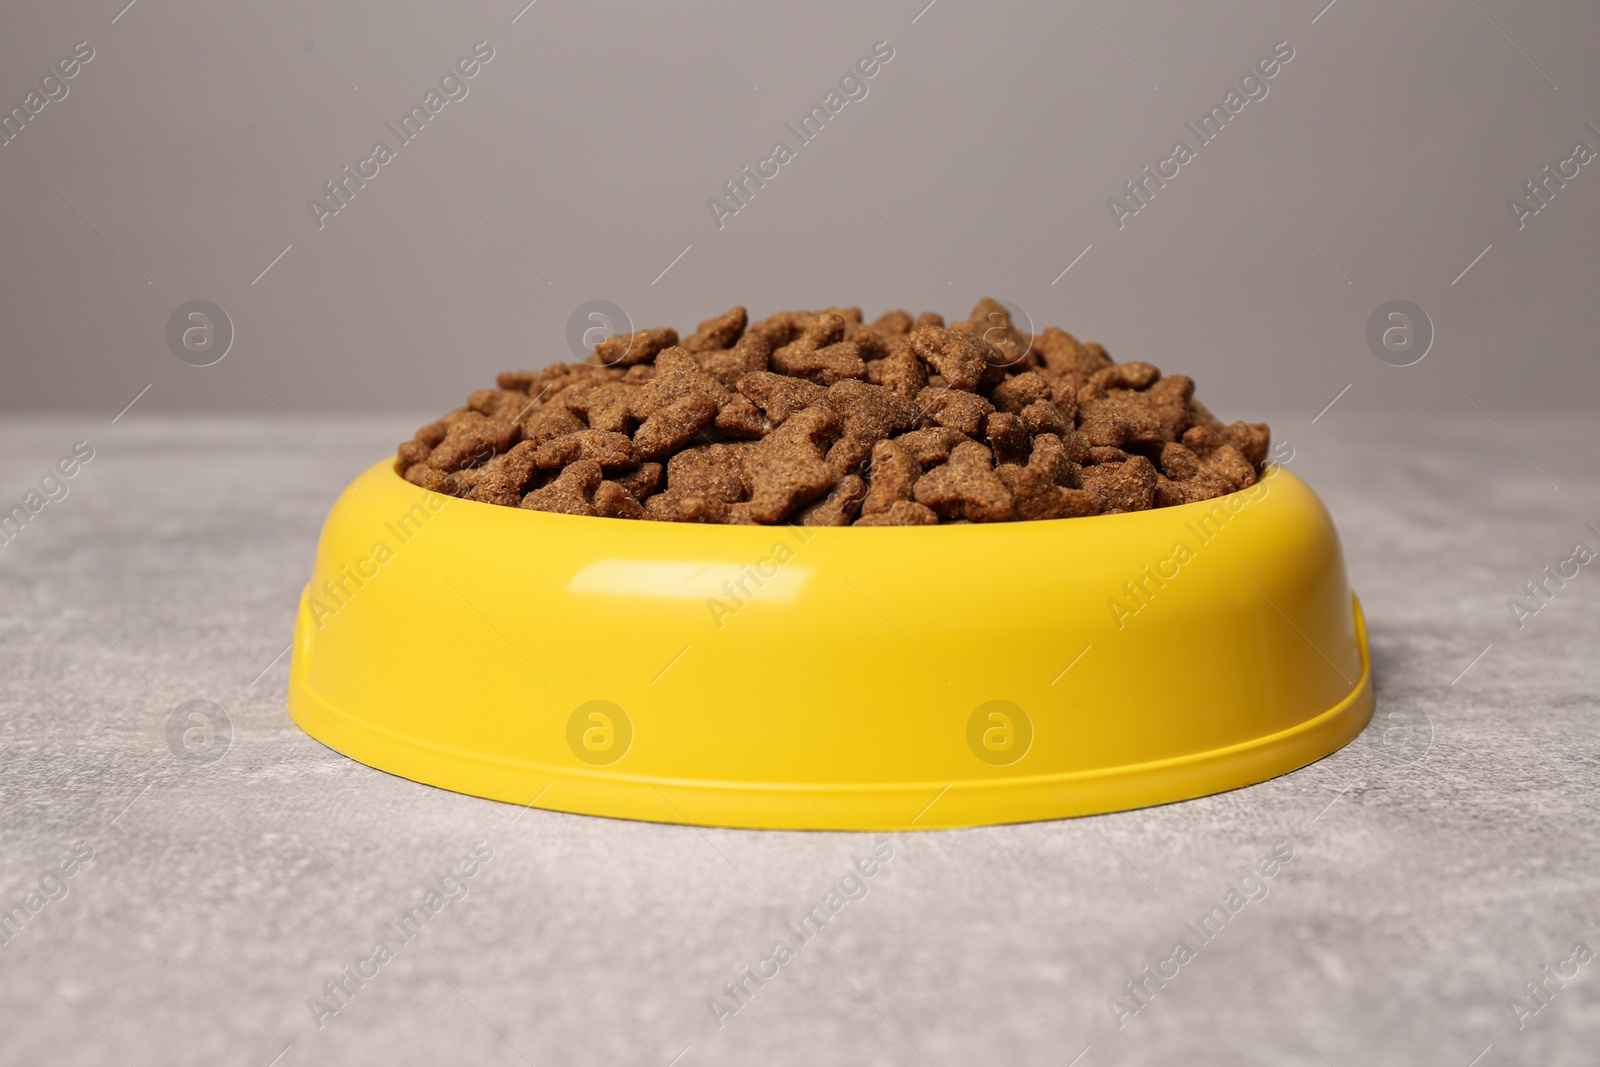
x=1039, y=498
x=900, y=372
x=504, y=479
x=1008, y=438
x=1127, y=486
x=719, y=332
x=613, y=451
x=960, y=411
x=498, y=403
x=1077, y=446
x=683, y=506
x=1041, y=416
x=1065, y=398
x=817, y=425
x=779, y=396
x=1252, y=439
x=626, y=349
x=786, y=469
x=1169, y=399
x=1203, y=440
x=1104, y=454
x=606, y=405
x=571, y=491
x=516, y=379
x=678, y=375
x=710, y=470
x=433, y=433
x=781, y=328
x=848, y=455
x=1127, y=376
x=833, y=363
x=1170, y=493
x=784, y=477
x=893, y=323
x=894, y=471
x=1187, y=478
x=674, y=426
x=799, y=356
x=411, y=453
x=871, y=412
x=751, y=354
x=643, y=481
x=823, y=330
x=548, y=422
x=1065, y=355
x=472, y=439
x=1050, y=457
x=1036, y=495
x=839, y=507
x=1060, y=351
x=743, y=420
x=931, y=447
x=1080, y=503
x=964, y=361
x=1216, y=453
x=966, y=487
x=525, y=380
x=434, y=481
x=1016, y=393
x=1178, y=462
x=902, y=513
x=1047, y=487
x=1229, y=463
x=612, y=501
x=1123, y=419
x=873, y=345
x=991, y=321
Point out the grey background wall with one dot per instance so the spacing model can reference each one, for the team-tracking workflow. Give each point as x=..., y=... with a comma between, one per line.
x=179, y=164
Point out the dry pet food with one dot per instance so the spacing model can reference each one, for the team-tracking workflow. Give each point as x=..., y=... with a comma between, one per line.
x=822, y=419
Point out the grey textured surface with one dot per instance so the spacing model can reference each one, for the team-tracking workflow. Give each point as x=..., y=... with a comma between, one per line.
x=1438, y=862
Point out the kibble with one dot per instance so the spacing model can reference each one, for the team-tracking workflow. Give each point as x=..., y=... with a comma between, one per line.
x=967, y=487
x=823, y=419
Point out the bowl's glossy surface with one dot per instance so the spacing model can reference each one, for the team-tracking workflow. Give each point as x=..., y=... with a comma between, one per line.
x=881, y=678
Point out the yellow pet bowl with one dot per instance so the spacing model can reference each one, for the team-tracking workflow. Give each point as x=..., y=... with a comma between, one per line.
x=885, y=678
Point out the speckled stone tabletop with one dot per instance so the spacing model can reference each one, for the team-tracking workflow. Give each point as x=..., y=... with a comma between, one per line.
x=209, y=904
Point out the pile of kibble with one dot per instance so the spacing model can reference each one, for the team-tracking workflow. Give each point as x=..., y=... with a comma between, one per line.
x=818, y=418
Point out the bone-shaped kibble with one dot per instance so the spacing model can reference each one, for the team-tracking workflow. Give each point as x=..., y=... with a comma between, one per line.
x=718, y=332
x=710, y=470
x=570, y=493
x=895, y=471
x=640, y=346
x=613, y=451
x=786, y=469
x=1126, y=486
x=966, y=487
x=963, y=359
x=779, y=396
